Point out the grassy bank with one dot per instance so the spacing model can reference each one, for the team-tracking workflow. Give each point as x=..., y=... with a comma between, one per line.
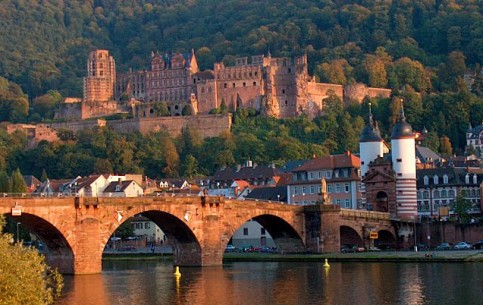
x=396, y=256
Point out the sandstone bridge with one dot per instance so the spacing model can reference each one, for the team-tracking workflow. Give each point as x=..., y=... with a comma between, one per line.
x=75, y=230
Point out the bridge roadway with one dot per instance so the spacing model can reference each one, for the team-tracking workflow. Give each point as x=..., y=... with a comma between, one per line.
x=75, y=230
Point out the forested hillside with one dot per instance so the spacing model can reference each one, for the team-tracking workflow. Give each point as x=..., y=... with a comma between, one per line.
x=45, y=43
x=421, y=49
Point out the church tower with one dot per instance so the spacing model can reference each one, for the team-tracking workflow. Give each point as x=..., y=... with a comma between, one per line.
x=371, y=146
x=404, y=167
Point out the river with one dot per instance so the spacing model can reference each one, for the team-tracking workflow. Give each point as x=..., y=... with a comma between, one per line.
x=259, y=283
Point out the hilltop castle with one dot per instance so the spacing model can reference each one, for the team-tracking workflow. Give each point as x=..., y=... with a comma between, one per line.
x=278, y=87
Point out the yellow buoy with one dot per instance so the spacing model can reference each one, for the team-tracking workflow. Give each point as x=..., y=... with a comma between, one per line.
x=326, y=264
x=176, y=272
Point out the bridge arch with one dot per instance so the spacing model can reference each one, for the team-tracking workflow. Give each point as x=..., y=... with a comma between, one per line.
x=350, y=236
x=186, y=246
x=56, y=248
x=284, y=235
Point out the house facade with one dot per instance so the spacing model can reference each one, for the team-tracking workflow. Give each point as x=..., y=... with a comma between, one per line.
x=439, y=187
x=341, y=173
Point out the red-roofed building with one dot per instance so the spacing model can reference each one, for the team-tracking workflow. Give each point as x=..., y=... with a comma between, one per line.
x=342, y=174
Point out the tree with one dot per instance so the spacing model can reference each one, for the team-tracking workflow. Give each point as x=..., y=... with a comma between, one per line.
x=5, y=185
x=462, y=207
x=125, y=230
x=18, y=183
x=445, y=147
x=45, y=104
x=25, y=277
x=189, y=168
x=44, y=176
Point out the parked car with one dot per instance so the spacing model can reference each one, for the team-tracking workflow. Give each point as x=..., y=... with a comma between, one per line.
x=462, y=245
x=477, y=245
x=230, y=248
x=443, y=246
x=352, y=248
x=347, y=249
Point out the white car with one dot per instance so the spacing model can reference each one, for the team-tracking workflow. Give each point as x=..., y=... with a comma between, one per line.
x=462, y=245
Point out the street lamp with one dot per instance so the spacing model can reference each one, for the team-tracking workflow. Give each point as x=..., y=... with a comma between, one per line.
x=18, y=232
x=278, y=198
x=415, y=242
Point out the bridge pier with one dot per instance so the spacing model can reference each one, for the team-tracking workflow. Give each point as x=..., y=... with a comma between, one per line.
x=323, y=228
x=88, y=247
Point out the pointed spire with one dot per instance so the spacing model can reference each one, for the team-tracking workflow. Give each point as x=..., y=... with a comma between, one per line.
x=371, y=122
x=402, y=117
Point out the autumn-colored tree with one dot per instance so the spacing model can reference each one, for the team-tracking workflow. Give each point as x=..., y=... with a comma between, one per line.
x=445, y=147
x=25, y=277
x=376, y=71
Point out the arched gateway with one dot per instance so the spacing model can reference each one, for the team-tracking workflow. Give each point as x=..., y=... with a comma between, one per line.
x=76, y=230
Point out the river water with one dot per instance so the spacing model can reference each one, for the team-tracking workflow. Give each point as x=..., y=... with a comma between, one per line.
x=259, y=283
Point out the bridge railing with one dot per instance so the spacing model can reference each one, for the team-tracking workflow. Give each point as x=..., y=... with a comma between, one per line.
x=347, y=213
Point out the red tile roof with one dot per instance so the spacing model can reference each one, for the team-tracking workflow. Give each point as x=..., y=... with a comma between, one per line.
x=330, y=162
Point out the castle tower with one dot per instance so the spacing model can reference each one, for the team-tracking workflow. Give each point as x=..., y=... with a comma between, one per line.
x=99, y=85
x=404, y=167
x=371, y=146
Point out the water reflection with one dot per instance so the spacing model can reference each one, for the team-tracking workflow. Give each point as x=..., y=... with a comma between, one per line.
x=278, y=283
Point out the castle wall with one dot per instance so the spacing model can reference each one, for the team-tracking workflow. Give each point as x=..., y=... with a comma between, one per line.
x=206, y=125
x=75, y=126
x=378, y=92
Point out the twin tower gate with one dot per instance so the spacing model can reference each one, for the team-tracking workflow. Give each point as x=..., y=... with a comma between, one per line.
x=75, y=230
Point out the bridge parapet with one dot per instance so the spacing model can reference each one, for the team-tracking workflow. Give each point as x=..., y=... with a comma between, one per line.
x=368, y=215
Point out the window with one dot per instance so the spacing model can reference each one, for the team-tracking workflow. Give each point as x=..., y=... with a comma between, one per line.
x=147, y=225
x=254, y=83
x=436, y=180
x=329, y=188
x=295, y=190
x=337, y=202
x=312, y=189
x=262, y=231
x=399, y=160
x=347, y=203
x=311, y=176
x=426, y=180
x=347, y=187
x=245, y=231
x=337, y=188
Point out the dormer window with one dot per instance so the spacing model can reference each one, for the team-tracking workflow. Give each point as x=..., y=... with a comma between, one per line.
x=445, y=179
x=436, y=180
x=118, y=188
x=467, y=179
x=426, y=180
x=475, y=179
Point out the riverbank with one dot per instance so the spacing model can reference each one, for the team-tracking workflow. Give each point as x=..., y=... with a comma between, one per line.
x=385, y=256
x=389, y=256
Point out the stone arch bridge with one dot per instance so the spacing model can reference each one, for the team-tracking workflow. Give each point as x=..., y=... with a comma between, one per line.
x=75, y=230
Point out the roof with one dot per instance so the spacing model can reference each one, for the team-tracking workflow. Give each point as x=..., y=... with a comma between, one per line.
x=456, y=177
x=474, y=133
x=291, y=165
x=346, y=160
x=278, y=193
x=246, y=173
x=402, y=129
x=426, y=155
x=111, y=188
x=371, y=132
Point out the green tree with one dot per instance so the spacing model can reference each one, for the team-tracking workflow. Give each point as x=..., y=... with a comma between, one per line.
x=45, y=104
x=189, y=168
x=44, y=176
x=462, y=208
x=18, y=183
x=125, y=230
x=5, y=185
x=25, y=277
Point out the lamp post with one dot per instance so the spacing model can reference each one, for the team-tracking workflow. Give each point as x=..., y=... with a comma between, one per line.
x=18, y=232
x=415, y=239
x=278, y=198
